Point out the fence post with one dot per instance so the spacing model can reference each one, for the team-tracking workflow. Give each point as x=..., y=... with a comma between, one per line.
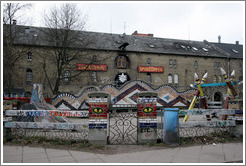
x=99, y=104
x=171, y=126
x=6, y=132
x=147, y=120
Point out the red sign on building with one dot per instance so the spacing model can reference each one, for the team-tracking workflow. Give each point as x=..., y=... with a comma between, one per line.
x=150, y=69
x=91, y=67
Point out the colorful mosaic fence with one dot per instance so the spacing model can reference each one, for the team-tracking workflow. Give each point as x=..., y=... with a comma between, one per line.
x=167, y=96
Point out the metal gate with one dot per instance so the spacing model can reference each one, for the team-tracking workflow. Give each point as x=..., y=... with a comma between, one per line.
x=123, y=128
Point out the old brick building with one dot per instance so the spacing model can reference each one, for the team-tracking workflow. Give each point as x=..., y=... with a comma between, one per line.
x=119, y=58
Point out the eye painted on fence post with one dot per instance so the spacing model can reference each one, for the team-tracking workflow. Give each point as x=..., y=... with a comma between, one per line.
x=148, y=110
x=98, y=110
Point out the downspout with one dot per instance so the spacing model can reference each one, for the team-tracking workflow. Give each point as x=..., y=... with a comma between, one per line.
x=228, y=65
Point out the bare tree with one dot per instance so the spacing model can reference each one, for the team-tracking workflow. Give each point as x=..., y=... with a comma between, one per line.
x=65, y=32
x=11, y=12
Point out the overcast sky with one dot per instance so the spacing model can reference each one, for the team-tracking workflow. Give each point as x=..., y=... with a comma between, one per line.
x=177, y=20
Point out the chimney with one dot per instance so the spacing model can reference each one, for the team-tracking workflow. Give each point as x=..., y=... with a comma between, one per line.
x=14, y=22
x=135, y=33
x=237, y=42
x=219, y=39
x=142, y=34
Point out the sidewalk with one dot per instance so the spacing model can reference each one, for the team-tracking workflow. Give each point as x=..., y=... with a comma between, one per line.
x=220, y=153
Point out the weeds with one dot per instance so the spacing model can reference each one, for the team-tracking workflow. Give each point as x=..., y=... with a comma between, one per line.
x=57, y=142
x=215, y=137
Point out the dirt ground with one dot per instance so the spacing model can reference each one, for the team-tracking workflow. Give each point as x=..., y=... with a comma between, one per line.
x=107, y=149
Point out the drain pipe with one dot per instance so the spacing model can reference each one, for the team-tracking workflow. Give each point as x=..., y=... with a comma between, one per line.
x=228, y=65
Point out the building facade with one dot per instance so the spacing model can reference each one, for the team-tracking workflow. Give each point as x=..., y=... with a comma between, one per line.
x=118, y=59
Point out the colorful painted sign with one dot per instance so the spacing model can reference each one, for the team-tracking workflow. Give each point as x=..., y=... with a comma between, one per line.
x=91, y=67
x=150, y=69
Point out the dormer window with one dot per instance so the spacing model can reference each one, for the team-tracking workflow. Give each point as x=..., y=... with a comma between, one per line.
x=235, y=51
x=27, y=30
x=151, y=45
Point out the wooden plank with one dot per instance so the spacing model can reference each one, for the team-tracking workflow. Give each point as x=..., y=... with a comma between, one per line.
x=41, y=125
x=221, y=123
x=207, y=112
x=47, y=113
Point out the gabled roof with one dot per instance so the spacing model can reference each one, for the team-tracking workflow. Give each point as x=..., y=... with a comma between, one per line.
x=140, y=44
x=235, y=50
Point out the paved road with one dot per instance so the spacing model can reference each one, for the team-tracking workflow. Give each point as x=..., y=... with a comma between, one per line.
x=220, y=153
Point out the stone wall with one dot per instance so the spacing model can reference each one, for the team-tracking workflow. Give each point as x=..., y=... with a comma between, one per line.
x=184, y=68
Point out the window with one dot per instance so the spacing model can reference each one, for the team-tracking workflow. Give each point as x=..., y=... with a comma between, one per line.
x=94, y=77
x=215, y=79
x=195, y=64
x=170, y=62
x=148, y=61
x=220, y=79
x=194, y=48
x=205, y=49
x=122, y=62
x=63, y=57
x=219, y=65
x=66, y=57
x=151, y=45
x=148, y=77
x=240, y=67
x=215, y=65
x=67, y=76
x=29, y=76
x=170, y=78
x=94, y=59
x=176, y=79
x=29, y=56
x=174, y=63
x=235, y=51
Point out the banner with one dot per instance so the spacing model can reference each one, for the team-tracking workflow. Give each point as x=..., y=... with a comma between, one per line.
x=150, y=69
x=91, y=67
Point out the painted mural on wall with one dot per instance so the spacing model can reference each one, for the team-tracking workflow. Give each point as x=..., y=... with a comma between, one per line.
x=167, y=96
